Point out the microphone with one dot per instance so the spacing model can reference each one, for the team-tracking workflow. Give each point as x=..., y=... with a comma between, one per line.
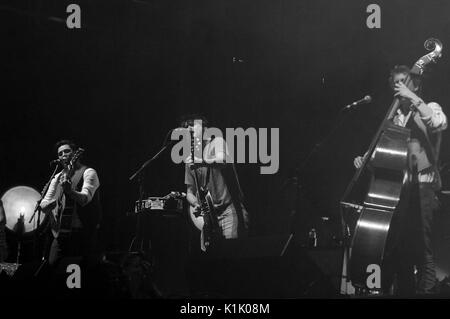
x=364, y=100
x=56, y=161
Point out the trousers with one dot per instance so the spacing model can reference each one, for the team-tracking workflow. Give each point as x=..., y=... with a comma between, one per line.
x=78, y=242
x=233, y=222
x=413, y=261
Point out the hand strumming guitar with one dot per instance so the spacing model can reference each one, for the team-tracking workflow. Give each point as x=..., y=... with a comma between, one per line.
x=66, y=184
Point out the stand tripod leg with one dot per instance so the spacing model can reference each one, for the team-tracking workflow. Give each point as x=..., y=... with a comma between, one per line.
x=346, y=286
x=43, y=262
x=19, y=247
x=45, y=251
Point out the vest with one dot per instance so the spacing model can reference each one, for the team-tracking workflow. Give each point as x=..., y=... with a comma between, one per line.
x=90, y=215
x=424, y=148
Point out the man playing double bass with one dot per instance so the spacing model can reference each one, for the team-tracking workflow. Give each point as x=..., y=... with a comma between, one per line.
x=426, y=122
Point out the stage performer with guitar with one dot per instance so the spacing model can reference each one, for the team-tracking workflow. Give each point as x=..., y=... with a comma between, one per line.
x=72, y=204
x=213, y=189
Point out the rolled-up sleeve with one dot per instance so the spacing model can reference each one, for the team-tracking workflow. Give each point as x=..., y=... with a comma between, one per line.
x=90, y=185
x=52, y=193
x=437, y=121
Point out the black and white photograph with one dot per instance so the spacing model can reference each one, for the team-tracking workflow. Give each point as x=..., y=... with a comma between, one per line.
x=216, y=151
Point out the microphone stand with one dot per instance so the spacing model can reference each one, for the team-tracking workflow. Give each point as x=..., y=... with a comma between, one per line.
x=140, y=179
x=139, y=171
x=299, y=169
x=139, y=236
x=38, y=210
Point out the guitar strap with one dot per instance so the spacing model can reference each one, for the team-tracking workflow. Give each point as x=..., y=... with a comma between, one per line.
x=90, y=215
x=80, y=182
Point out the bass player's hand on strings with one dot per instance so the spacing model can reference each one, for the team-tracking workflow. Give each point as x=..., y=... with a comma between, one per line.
x=358, y=161
x=416, y=102
x=401, y=90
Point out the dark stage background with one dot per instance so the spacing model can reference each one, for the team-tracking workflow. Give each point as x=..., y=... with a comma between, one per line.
x=119, y=83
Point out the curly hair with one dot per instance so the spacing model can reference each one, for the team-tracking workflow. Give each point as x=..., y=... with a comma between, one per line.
x=403, y=69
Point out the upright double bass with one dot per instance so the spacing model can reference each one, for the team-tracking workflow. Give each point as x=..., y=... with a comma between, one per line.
x=378, y=198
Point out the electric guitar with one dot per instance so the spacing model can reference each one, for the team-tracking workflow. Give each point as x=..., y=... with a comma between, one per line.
x=197, y=217
x=204, y=219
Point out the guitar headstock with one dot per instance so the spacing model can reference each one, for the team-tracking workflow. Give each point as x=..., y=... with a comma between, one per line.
x=76, y=156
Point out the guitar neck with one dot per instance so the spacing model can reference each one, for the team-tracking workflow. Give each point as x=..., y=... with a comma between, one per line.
x=197, y=184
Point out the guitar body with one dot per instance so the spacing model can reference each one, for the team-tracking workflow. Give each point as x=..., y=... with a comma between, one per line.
x=206, y=219
x=61, y=215
x=198, y=218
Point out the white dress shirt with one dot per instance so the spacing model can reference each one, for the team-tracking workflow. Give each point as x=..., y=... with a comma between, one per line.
x=55, y=191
